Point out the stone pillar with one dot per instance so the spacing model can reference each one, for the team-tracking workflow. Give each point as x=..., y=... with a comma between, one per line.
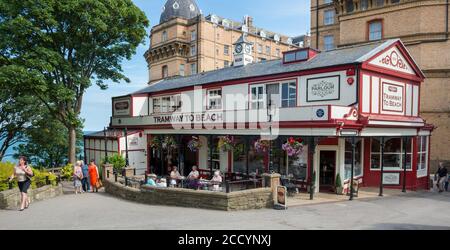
x=273, y=181
x=129, y=172
x=106, y=168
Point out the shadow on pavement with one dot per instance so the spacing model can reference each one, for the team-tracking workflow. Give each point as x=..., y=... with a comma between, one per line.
x=398, y=226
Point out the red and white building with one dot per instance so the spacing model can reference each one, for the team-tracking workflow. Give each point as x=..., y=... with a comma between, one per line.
x=371, y=92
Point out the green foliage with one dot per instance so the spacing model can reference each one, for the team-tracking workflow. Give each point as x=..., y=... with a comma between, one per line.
x=67, y=172
x=38, y=180
x=54, y=50
x=47, y=142
x=117, y=161
x=338, y=183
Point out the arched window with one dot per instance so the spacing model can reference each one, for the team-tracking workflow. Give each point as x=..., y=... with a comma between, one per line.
x=164, y=36
x=165, y=71
x=349, y=6
x=364, y=4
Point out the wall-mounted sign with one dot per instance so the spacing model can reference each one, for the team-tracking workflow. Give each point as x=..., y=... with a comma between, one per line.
x=323, y=89
x=134, y=141
x=394, y=60
x=189, y=118
x=391, y=178
x=393, y=97
x=122, y=107
x=320, y=113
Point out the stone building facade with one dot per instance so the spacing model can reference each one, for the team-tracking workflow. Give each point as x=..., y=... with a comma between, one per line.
x=422, y=25
x=185, y=42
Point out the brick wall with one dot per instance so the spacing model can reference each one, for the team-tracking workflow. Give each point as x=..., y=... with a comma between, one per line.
x=10, y=199
x=241, y=200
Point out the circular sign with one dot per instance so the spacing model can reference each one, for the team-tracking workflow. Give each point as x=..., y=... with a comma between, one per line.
x=320, y=113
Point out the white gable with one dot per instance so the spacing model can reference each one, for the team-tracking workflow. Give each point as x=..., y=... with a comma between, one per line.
x=393, y=59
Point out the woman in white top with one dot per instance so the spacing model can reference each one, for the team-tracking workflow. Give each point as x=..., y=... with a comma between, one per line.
x=23, y=173
x=174, y=176
x=77, y=177
x=216, y=181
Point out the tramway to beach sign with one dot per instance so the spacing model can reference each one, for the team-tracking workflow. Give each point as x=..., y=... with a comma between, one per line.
x=392, y=97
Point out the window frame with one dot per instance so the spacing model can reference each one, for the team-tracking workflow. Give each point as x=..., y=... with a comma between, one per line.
x=369, y=23
x=401, y=153
x=193, y=35
x=259, y=99
x=325, y=44
x=288, y=99
x=361, y=159
x=167, y=107
x=209, y=98
x=326, y=19
x=226, y=50
x=193, y=50
x=164, y=36
x=164, y=69
x=422, y=172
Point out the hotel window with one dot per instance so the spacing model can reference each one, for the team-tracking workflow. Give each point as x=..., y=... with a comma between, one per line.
x=328, y=42
x=226, y=64
x=288, y=94
x=378, y=3
x=193, y=35
x=193, y=68
x=364, y=4
x=165, y=71
x=357, y=170
x=375, y=30
x=422, y=155
x=226, y=50
x=214, y=99
x=328, y=17
x=164, y=36
x=349, y=6
x=193, y=50
x=395, y=1
x=393, y=154
x=260, y=48
x=327, y=1
x=257, y=97
x=182, y=70
x=268, y=50
x=277, y=52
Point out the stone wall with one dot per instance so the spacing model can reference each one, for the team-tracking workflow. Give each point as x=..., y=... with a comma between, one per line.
x=10, y=199
x=241, y=200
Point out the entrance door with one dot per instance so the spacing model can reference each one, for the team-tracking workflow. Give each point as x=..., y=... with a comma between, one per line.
x=327, y=170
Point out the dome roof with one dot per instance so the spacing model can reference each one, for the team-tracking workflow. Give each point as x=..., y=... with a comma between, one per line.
x=179, y=8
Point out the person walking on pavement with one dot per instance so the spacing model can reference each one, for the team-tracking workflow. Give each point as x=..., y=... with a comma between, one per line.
x=441, y=176
x=85, y=180
x=23, y=173
x=93, y=175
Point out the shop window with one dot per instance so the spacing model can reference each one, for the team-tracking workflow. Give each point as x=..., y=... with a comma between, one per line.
x=257, y=97
x=255, y=161
x=393, y=154
x=422, y=156
x=215, y=154
x=167, y=104
x=375, y=30
x=357, y=170
x=288, y=94
x=239, y=156
x=214, y=99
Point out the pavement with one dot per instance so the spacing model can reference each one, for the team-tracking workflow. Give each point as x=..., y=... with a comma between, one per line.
x=414, y=210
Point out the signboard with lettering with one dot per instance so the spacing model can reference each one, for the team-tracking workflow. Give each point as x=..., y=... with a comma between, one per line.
x=281, y=195
x=188, y=118
x=391, y=178
x=323, y=89
x=122, y=107
x=392, y=97
x=394, y=60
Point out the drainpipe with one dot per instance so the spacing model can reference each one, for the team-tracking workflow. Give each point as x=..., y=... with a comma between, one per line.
x=446, y=20
x=317, y=24
x=198, y=43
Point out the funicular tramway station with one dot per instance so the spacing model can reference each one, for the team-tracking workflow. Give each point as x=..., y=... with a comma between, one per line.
x=311, y=117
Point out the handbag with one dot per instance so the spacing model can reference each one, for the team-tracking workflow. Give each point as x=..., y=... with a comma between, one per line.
x=99, y=184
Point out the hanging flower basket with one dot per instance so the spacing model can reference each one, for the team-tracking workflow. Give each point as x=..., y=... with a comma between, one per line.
x=156, y=142
x=226, y=143
x=194, y=144
x=293, y=147
x=169, y=143
x=262, y=146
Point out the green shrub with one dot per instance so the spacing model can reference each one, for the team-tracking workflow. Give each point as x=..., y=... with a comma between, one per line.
x=117, y=161
x=67, y=172
x=38, y=180
x=338, y=182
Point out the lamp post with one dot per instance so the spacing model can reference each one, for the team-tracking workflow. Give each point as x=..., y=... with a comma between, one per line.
x=405, y=141
x=270, y=110
x=106, y=145
x=351, y=134
x=382, y=166
x=126, y=147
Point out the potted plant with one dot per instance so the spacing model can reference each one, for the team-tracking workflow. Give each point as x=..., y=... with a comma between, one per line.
x=194, y=144
x=293, y=147
x=338, y=185
x=226, y=143
x=262, y=146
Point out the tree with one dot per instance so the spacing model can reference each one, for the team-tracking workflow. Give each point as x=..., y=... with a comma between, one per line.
x=46, y=143
x=64, y=46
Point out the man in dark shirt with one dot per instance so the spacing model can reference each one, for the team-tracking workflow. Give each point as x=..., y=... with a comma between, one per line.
x=441, y=175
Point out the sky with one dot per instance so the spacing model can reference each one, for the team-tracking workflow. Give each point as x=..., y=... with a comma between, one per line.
x=288, y=17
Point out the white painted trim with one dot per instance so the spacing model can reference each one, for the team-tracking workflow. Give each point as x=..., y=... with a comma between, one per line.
x=409, y=124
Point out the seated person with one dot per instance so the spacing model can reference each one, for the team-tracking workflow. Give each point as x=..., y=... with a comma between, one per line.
x=216, y=181
x=193, y=178
x=151, y=181
x=162, y=183
x=174, y=176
